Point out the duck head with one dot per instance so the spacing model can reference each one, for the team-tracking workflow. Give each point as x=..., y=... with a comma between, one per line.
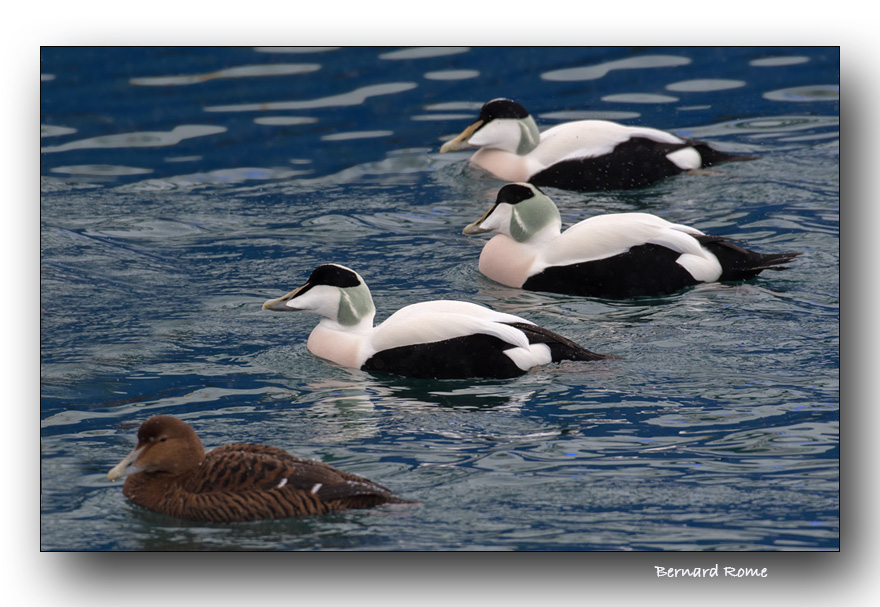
x=335, y=292
x=503, y=124
x=166, y=445
x=521, y=211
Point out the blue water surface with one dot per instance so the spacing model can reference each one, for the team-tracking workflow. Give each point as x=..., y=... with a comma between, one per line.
x=182, y=187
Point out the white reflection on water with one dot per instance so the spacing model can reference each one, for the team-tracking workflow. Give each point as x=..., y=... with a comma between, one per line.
x=639, y=98
x=100, y=170
x=242, y=71
x=220, y=176
x=285, y=120
x=355, y=97
x=345, y=406
x=811, y=137
x=704, y=85
x=295, y=49
x=769, y=126
x=442, y=117
x=589, y=115
x=452, y=75
x=142, y=139
x=778, y=61
x=425, y=51
x=594, y=72
x=51, y=130
x=454, y=106
x=356, y=135
x=818, y=92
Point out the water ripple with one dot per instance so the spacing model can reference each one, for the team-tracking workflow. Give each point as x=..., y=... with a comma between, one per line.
x=285, y=120
x=704, y=85
x=452, y=75
x=355, y=97
x=779, y=61
x=212, y=178
x=242, y=71
x=425, y=52
x=819, y=92
x=590, y=115
x=295, y=49
x=52, y=130
x=638, y=98
x=100, y=170
x=594, y=72
x=768, y=126
x=356, y=135
x=139, y=139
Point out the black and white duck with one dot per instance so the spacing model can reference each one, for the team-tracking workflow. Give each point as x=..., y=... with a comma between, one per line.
x=613, y=256
x=442, y=339
x=584, y=155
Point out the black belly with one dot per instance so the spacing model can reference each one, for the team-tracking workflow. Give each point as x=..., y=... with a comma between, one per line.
x=457, y=358
x=642, y=271
x=635, y=163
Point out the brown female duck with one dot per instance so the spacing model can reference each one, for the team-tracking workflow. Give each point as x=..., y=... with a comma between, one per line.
x=169, y=472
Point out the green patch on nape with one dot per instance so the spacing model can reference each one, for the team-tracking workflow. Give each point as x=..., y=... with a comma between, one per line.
x=531, y=216
x=529, y=136
x=355, y=304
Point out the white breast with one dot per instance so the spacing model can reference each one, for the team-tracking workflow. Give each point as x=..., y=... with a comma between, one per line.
x=342, y=347
x=506, y=165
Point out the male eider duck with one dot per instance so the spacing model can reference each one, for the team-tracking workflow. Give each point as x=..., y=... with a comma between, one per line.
x=585, y=155
x=611, y=256
x=169, y=472
x=432, y=339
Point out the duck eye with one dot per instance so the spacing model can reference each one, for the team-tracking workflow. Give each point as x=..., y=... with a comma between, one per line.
x=163, y=439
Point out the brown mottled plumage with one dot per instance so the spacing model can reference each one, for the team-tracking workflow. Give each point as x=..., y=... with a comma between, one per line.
x=169, y=472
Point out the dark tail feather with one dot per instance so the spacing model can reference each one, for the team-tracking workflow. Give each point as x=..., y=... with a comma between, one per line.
x=561, y=348
x=353, y=494
x=774, y=261
x=712, y=156
x=738, y=263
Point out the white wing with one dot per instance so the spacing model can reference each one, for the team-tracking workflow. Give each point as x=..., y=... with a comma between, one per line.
x=452, y=306
x=590, y=138
x=604, y=236
x=433, y=321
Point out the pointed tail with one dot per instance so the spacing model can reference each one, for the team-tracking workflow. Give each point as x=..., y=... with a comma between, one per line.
x=711, y=156
x=739, y=263
x=561, y=348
